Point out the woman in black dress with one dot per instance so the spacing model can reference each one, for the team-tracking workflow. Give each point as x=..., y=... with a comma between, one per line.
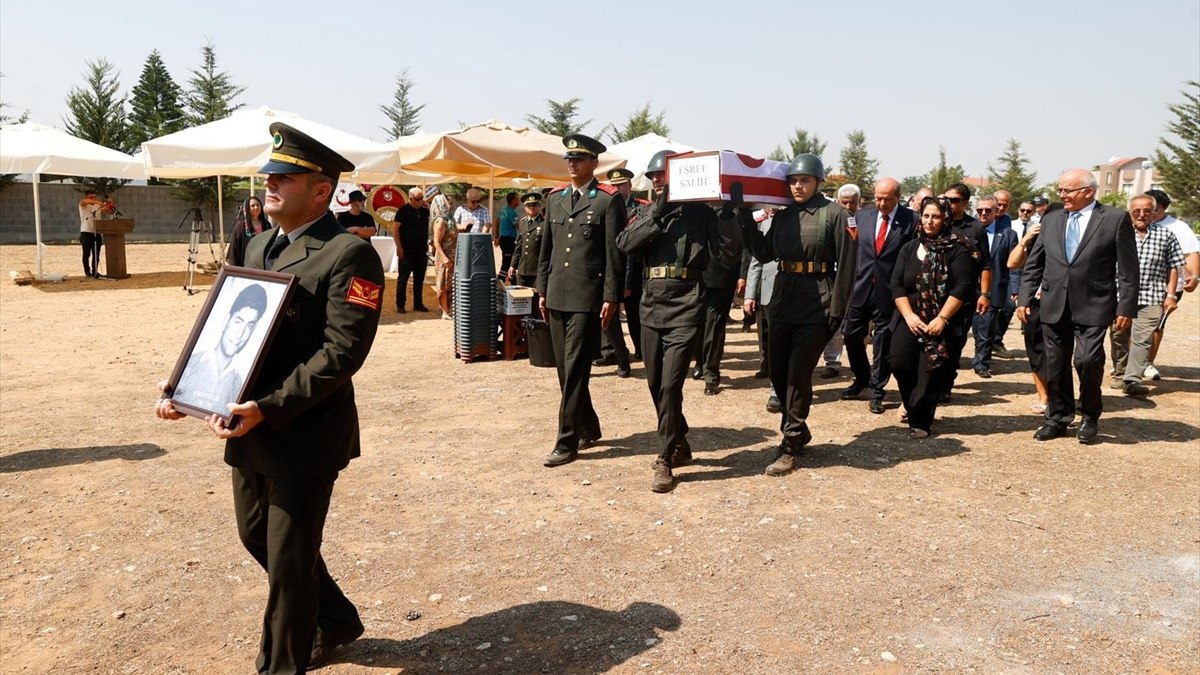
x=250, y=222
x=933, y=273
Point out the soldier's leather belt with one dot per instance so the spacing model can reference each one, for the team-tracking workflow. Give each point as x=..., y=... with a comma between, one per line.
x=803, y=267
x=667, y=272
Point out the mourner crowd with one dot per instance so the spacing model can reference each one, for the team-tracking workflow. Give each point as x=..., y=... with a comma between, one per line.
x=918, y=277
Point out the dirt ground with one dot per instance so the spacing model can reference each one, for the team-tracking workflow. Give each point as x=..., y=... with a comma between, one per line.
x=978, y=550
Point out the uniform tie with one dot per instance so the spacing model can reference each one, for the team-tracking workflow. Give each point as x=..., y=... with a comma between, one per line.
x=281, y=242
x=574, y=198
x=1072, y=235
x=881, y=235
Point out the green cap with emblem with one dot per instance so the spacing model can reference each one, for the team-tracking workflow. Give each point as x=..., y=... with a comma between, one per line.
x=532, y=198
x=579, y=145
x=619, y=176
x=293, y=151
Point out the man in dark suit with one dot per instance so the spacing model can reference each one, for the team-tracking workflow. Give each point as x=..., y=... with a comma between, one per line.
x=1086, y=264
x=881, y=231
x=299, y=427
x=1001, y=241
x=580, y=275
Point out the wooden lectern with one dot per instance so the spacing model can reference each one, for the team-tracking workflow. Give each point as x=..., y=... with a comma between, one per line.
x=114, y=231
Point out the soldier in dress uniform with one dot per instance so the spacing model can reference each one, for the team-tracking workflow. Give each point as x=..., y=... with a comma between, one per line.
x=674, y=243
x=524, y=267
x=811, y=244
x=613, y=350
x=580, y=279
x=299, y=426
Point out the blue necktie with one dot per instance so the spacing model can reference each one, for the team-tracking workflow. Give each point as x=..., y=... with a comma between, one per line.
x=1072, y=235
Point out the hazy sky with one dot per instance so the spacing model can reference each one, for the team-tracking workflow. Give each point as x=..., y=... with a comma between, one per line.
x=1076, y=82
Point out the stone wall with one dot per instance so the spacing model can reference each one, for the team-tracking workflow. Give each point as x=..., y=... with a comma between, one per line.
x=155, y=211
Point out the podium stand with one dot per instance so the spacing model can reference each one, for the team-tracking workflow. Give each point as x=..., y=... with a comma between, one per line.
x=114, y=231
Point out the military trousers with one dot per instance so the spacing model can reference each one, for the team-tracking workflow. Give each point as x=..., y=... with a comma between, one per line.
x=633, y=319
x=280, y=521
x=612, y=342
x=710, y=345
x=794, y=350
x=875, y=373
x=575, y=337
x=667, y=353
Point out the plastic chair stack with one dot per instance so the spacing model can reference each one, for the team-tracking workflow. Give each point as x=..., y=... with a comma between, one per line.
x=476, y=318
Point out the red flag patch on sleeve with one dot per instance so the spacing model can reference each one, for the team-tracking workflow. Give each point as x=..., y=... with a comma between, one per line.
x=364, y=293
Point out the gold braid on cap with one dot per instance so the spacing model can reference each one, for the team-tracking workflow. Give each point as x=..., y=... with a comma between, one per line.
x=289, y=159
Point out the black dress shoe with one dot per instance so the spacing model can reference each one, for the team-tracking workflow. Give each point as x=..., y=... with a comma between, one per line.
x=761, y=374
x=876, y=406
x=559, y=457
x=1088, y=429
x=1050, y=431
x=623, y=371
x=710, y=388
x=850, y=393
x=605, y=361
x=588, y=440
x=636, y=357
x=324, y=645
x=420, y=308
x=697, y=373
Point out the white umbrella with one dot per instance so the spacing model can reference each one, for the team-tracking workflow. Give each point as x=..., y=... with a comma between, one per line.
x=36, y=149
x=638, y=151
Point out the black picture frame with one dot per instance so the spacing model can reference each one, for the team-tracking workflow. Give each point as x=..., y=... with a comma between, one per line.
x=211, y=376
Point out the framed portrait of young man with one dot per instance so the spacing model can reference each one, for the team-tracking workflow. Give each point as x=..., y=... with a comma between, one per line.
x=224, y=351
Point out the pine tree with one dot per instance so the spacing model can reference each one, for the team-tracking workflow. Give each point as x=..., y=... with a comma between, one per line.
x=210, y=97
x=911, y=184
x=800, y=143
x=1179, y=160
x=154, y=104
x=639, y=123
x=857, y=165
x=404, y=116
x=1012, y=176
x=943, y=176
x=96, y=113
x=561, y=121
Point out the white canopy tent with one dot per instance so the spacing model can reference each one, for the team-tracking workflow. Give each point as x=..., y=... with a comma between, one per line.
x=37, y=149
x=638, y=151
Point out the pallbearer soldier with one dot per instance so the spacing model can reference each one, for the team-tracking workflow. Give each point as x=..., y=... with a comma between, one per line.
x=635, y=207
x=613, y=350
x=524, y=266
x=579, y=280
x=815, y=254
x=674, y=243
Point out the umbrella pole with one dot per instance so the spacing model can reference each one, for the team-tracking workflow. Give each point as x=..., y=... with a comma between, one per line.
x=37, y=224
x=221, y=215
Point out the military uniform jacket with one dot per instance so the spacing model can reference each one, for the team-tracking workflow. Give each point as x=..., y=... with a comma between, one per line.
x=635, y=209
x=689, y=236
x=529, y=246
x=794, y=237
x=580, y=267
x=310, y=422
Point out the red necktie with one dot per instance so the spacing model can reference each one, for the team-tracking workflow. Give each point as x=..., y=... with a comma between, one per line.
x=881, y=235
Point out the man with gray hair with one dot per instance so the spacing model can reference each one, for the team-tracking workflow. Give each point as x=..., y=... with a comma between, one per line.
x=411, y=232
x=473, y=216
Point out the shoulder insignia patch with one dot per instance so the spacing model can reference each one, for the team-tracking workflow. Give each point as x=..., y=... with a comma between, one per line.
x=643, y=202
x=607, y=188
x=364, y=293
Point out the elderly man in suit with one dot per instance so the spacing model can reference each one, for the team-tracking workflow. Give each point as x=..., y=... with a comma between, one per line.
x=882, y=230
x=299, y=426
x=1085, y=262
x=760, y=284
x=1001, y=241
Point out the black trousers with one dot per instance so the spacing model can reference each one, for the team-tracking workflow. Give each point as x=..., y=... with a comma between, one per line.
x=507, y=246
x=873, y=374
x=920, y=387
x=633, y=320
x=91, y=243
x=794, y=351
x=1086, y=344
x=958, y=332
x=413, y=265
x=710, y=345
x=1035, y=341
x=667, y=353
x=280, y=521
x=612, y=342
x=764, y=334
x=575, y=337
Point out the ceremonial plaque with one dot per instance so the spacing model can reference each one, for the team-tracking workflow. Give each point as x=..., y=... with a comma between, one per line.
x=709, y=177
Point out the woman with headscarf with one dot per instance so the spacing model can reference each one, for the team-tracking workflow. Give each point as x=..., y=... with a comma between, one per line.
x=934, y=273
x=445, y=239
x=251, y=221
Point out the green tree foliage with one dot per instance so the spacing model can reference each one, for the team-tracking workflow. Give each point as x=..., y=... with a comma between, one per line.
x=403, y=115
x=210, y=97
x=1178, y=160
x=857, y=165
x=155, y=108
x=911, y=184
x=1118, y=199
x=96, y=113
x=561, y=120
x=943, y=176
x=639, y=123
x=1011, y=174
x=799, y=143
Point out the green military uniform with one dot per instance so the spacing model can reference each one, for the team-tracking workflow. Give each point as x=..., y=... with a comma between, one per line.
x=812, y=247
x=285, y=467
x=529, y=244
x=612, y=340
x=579, y=270
x=674, y=248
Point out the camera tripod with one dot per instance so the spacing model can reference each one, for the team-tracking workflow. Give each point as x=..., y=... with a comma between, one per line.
x=198, y=226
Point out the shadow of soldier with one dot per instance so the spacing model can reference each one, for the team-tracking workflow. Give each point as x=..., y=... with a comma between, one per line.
x=46, y=458
x=539, y=637
x=881, y=448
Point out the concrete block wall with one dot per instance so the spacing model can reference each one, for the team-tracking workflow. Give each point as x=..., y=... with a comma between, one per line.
x=154, y=208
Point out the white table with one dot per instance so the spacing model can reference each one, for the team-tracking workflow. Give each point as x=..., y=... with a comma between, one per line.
x=386, y=248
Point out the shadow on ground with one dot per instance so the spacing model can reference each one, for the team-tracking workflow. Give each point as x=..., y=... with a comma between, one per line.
x=46, y=458
x=539, y=637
